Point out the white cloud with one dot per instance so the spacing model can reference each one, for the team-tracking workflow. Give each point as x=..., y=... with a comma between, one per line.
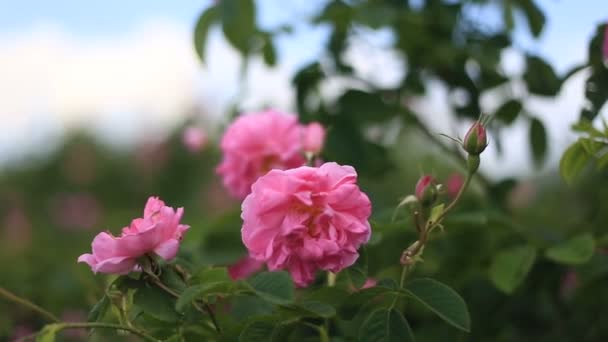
x=144, y=82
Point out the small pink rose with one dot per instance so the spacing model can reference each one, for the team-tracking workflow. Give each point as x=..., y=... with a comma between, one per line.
x=244, y=268
x=313, y=138
x=306, y=219
x=194, y=139
x=159, y=232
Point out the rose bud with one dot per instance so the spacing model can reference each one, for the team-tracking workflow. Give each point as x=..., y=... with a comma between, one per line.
x=476, y=140
x=313, y=138
x=426, y=190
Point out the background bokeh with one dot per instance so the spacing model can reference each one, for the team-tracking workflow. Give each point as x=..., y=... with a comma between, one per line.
x=94, y=98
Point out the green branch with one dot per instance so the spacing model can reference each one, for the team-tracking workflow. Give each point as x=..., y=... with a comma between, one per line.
x=56, y=327
x=24, y=302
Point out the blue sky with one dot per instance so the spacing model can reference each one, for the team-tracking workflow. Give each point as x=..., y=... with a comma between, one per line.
x=569, y=21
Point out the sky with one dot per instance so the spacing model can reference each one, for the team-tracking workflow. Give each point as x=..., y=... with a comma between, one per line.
x=126, y=71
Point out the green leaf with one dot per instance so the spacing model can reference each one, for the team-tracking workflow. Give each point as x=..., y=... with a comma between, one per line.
x=357, y=273
x=313, y=308
x=269, y=52
x=384, y=325
x=238, y=23
x=442, y=300
x=507, y=14
x=99, y=309
x=244, y=307
x=365, y=106
x=201, y=30
x=353, y=303
x=510, y=267
x=573, y=162
x=257, y=331
x=201, y=290
x=436, y=212
x=575, y=251
x=275, y=287
x=509, y=111
x=211, y=275
x=538, y=141
x=540, y=77
x=156, y=303
x=534, y=15
x=602, y=161
x=47, y=334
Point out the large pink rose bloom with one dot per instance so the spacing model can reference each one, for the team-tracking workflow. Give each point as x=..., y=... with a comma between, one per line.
x=255, y=144
x=159, y=232
x=306, y=219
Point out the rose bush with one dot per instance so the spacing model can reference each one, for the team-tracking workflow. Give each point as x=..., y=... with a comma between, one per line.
x=298, y=254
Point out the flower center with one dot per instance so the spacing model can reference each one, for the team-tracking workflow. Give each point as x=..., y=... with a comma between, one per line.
x=314, y=230
x=268, y=163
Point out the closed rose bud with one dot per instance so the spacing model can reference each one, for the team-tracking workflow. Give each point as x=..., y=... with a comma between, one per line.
x=476, y=140
x=426, y=190
x=313, y=138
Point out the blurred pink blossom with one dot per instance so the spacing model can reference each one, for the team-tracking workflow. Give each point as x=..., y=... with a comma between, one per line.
x=369, y=283
x=522, y=195
x=194, y=138
x=80, y=164
x=159, y=231
x=255, y=144
x=570, y=282
x=75, y=211
x=453, y=184
x=74, y=316
x=244, y=268
x=17, y=228
x=21, y=331
x=306, y=219
x=313, y=138
x=151, y=157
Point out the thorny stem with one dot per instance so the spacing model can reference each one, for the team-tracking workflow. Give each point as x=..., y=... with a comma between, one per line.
x=447, y=149
x=464, y=186
x=123, y=311
x=206, y=308
x=404, y=271
x=63, y=326
x=13, y=297
x=414, y=251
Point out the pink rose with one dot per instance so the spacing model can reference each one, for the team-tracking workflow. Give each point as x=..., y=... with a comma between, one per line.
x=159, y=232
x=313, y=138
x=306, y=219
x=244, y=268
x=255, y=144
x=194, y=139
x=453, y=184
